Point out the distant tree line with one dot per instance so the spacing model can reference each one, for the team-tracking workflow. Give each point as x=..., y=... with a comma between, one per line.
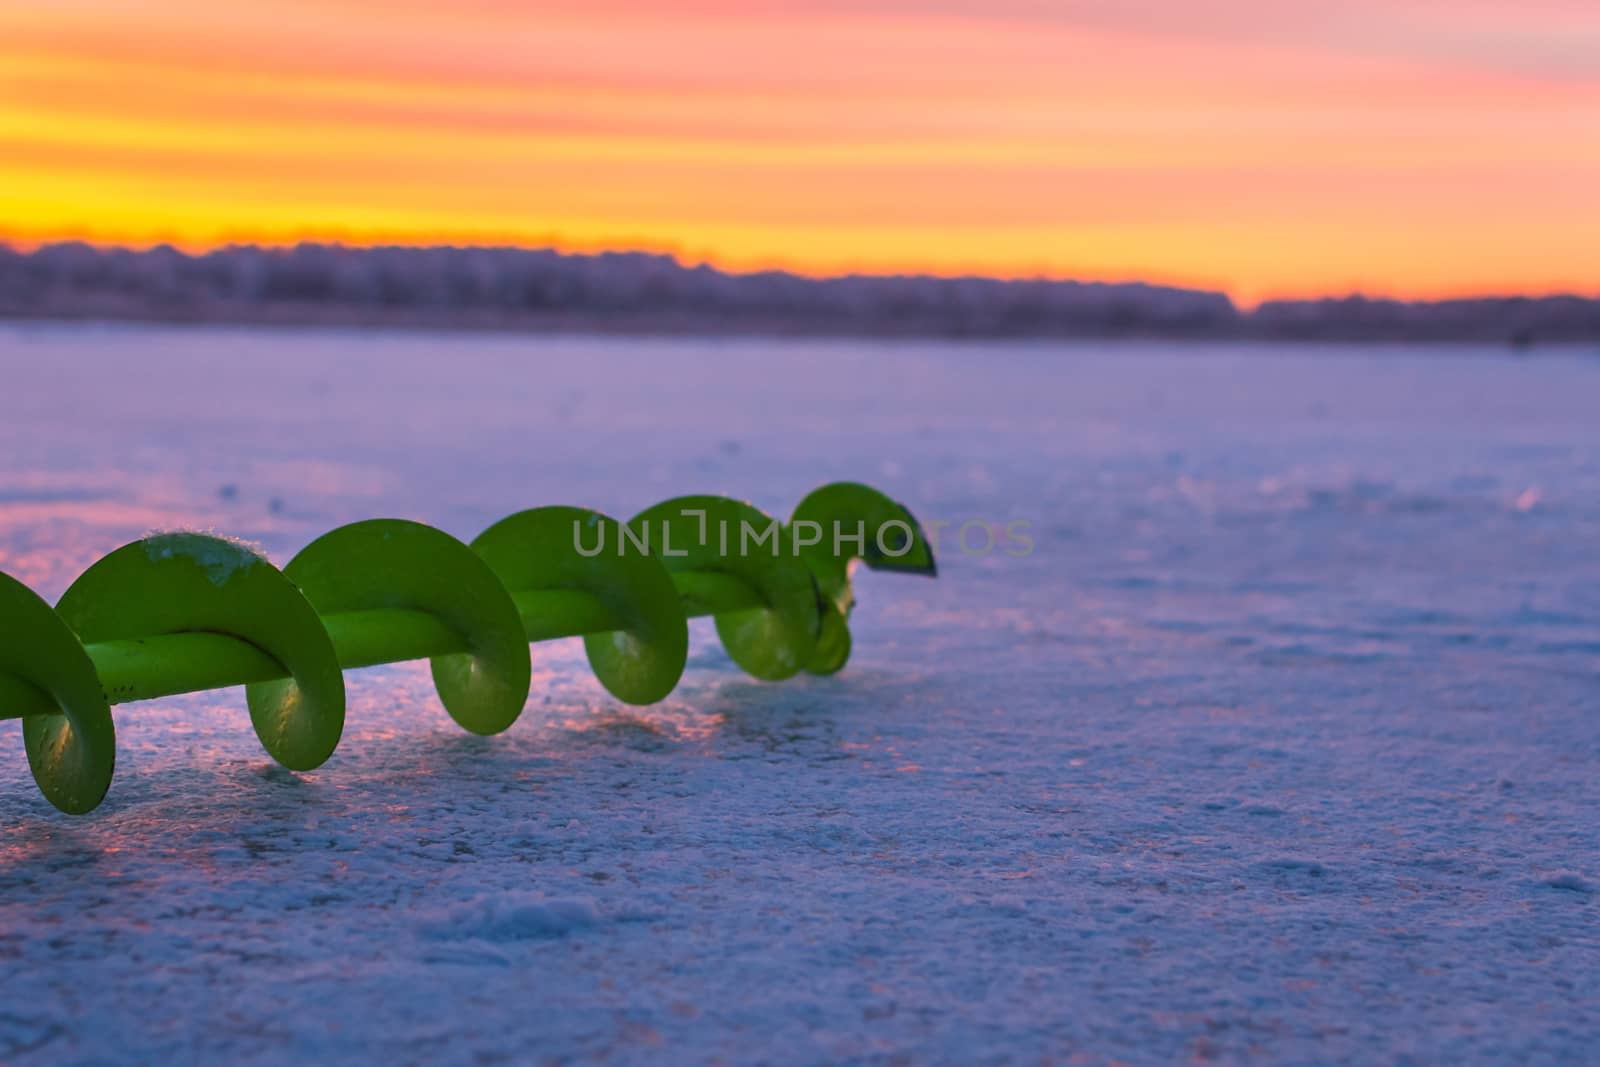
x=514, y=288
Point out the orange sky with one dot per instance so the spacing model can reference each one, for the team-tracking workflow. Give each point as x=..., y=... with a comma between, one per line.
x=1267, y=147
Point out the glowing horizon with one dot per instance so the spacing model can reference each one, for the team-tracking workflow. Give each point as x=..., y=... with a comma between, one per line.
x=1416, y=148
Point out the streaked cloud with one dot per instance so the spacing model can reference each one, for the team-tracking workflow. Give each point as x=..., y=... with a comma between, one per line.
x=1415, y=147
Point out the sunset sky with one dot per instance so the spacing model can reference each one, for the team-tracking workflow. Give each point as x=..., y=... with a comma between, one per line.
x=1266, y=147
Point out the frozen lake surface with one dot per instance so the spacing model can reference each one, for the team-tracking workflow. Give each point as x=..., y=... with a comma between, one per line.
x=1282, y=745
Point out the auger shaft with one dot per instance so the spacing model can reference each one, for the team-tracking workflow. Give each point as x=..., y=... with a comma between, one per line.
x=551, y=613
x=170, y=664
x=149, y=667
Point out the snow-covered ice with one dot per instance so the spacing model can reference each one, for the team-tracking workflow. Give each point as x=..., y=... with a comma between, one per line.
x=1280, y=746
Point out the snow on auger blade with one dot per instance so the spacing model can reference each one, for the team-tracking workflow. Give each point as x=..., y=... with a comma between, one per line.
x=184, y=612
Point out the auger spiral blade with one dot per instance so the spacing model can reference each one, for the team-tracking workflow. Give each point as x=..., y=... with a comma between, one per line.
x=372, y=580
x=852, y=522
x=642, y=641
x=193, y=584
x=44, y=670
x=773, y=639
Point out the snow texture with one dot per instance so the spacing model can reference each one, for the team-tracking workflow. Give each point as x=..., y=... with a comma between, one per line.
x=1280, y=746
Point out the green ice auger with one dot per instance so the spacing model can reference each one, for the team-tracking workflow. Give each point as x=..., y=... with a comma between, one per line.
x=183, y=612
